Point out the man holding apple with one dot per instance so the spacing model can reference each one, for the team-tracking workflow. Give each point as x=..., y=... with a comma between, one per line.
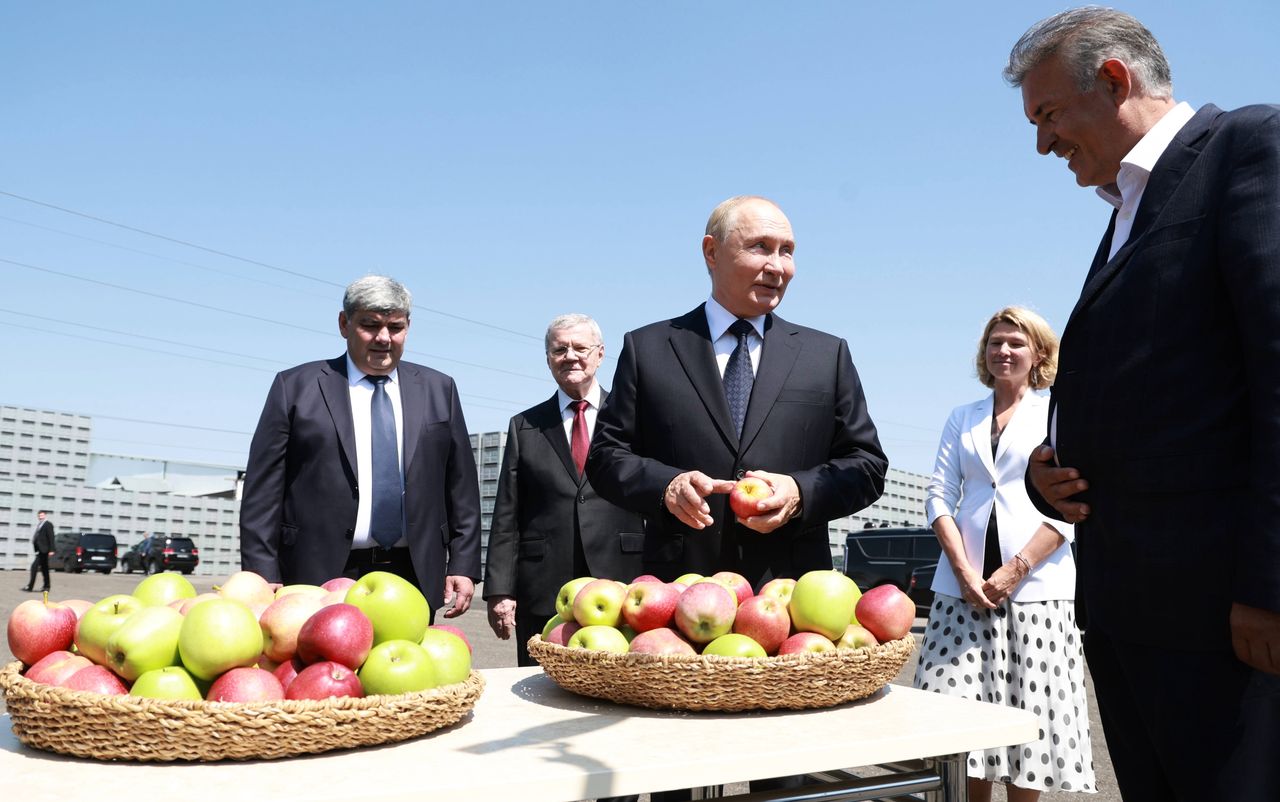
x=363, y=463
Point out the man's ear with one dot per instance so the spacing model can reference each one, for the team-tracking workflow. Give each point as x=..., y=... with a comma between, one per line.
x=1118, y=80
x=342, y=323
x=709, y=246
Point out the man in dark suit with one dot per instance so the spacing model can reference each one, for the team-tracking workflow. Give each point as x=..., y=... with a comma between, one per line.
x=42, y=544
x=549, y=526
x=1165, y=429
x=363, y=463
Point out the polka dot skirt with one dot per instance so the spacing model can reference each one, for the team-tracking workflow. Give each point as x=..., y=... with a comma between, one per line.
x=1022, y=654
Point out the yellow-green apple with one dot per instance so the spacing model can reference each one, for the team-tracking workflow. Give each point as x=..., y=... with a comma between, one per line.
x=450, y=655
x=95, y=679
x=688, y=579
x=397, y=666
x=147, y=640
x=340, y=633
x=765, y=620
x=599, y=603
x=99, y=621
x=823, y=602
x=454, y=630
x=245, y=684
x=599, y=638
x=286, y=671
x=705, y=611
x=309, y=590
x=856, y=637
x=281, y=621
x=562, y=632
x=746, y=495
x=170, y=682
x=218, y=635
x=186, y=604
x=79, y=605
x=55, y=667
x=806, y=642
x=39, y=627
x=661, y=641
x=397, y=609
x=323, y=680
x=649, y=605
x=158, y=590
x=779, y=588
x=734, y=645
x=248, y=588
x=887, y=612
x=736, y=582
x=568, y=592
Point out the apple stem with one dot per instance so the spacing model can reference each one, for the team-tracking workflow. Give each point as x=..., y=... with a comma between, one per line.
x=46, y=598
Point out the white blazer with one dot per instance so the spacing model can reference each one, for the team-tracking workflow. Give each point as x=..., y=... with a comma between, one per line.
x=967, y=481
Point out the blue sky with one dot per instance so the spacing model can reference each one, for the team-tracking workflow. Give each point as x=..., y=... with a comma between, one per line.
x=513, y=161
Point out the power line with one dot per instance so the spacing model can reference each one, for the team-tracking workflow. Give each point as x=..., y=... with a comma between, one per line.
x=138, y=348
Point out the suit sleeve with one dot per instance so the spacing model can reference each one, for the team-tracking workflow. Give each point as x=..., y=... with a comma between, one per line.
x=463, y=497
x=504, y=537
x=852, y=478
x=261, y=505
x=943, y=493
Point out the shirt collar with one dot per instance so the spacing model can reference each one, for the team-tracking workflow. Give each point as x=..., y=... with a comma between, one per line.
x=720, y=319
x=593, y=397
x=1137, y=165
x=355, y=376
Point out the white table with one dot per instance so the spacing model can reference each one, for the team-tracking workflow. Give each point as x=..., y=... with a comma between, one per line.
x=528, y=740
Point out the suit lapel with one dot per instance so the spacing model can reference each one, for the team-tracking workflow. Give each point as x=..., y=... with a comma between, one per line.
x=980, y=431
x=337, y=398
x=547, y=418
x=413, y=409
x=691, y=341
x=777, y=358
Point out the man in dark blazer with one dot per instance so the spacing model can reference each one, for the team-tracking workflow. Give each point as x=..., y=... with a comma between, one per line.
x=549, y=526
x=304, y=516
x=1164, y=444
x=42, y=544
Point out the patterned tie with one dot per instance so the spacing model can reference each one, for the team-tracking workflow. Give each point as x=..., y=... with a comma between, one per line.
x=579, y=438
x=386, y=521
x=738, y=376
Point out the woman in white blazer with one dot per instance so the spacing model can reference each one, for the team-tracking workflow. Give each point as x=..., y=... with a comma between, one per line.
x=1002, y=627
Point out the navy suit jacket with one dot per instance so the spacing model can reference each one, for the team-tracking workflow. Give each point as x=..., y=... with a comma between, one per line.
x=667, y=414
x=298, y=513
x=1168, y=393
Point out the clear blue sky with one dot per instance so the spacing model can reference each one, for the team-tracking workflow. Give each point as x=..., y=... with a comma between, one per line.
x=512, y=161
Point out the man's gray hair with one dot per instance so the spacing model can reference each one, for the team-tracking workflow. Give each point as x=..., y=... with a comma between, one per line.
x=569, y=321
x=380, y=294
x=1086, y=37
x=725, y=215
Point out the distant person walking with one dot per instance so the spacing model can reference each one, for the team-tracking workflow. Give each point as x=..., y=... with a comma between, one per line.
x=42, y=543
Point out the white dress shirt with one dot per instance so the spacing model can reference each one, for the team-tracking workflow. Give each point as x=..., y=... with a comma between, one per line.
x=719, y=320
x=566, y=411
x=361, y=394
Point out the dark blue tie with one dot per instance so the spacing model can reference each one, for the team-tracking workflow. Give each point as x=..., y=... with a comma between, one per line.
x=386, y=521
x=738, y=376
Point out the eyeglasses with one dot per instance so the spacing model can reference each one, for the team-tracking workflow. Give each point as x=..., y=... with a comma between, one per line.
x=562, y=351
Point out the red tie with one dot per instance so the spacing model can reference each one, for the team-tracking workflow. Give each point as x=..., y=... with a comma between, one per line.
x=579, y=438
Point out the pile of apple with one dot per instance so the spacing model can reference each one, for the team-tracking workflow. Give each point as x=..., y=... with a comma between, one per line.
x=250, y=641
x=821, y=611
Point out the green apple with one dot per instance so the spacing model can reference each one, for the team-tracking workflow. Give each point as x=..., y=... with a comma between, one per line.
x=688, y=579
x=398, y=666
x=170, y=682
x=397, y=609
x=159, y=590
x=569, y=592
x=734, y=645
x=450, y=656
x=99, y=621
x=555, y=621
x=823, y=602
x=600, y=638
x=147, y=640
x=218, y=635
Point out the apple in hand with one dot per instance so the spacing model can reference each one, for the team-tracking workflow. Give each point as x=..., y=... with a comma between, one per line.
x=599, y=603
x=324, y=680
x=887, y=612
x=823, y=602
x=599, y=638
x=705, y=611
x=765, y=620
x=450, y=655
x=734, y=645
x=147, y=640
x=99, y=621
x=806, y=642
x=780, y=588
x=170, y=682
x=398, y=666
x=340, y=633
x=95, y=679
x=661, y=641
x=735, y=582
x=856, y=637
x=397, y=609
x=55, y=667
x=747, y=493
x=649, y=605
x=245, y=684
x=282, y=620
x=218, y=635
x=568, y=592
x=158, y=590
x=39, y=627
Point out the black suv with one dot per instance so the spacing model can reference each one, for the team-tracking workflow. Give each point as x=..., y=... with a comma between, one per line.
x=78, y=551
x=161, y=553
x=888, y=556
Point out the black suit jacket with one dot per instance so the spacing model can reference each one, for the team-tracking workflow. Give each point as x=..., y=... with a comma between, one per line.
x=298, y=513
x=1168, y=393
x=542, y=508
x=667, y=414
x=42, y=542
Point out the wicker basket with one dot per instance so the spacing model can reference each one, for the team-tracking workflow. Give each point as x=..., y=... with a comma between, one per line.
x=133, y=728
x=711, y=682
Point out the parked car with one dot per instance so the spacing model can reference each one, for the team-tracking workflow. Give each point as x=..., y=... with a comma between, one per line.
x=79, y=551
x=920, y=588
x=161, y=553
x=888, y=556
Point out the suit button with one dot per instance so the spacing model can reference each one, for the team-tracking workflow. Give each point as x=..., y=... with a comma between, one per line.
x=738, y=474
x=582, y=499
x=993, y=485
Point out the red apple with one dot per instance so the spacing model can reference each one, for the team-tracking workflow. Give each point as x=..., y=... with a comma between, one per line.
x=746, y=494
x=887, y=612
x=338, y=583
x=323, y=680
x=79, y=605
x=645, y=578
x=705, y=611
x=661, y=641
x=561, y=632
x=287, y=671
x=649, y=605
x=765, y=620
x=856, y=637
x=736, y=582
x=56, y=667
x=245, y=685
x=806, y=642
x=39, y=627
x=95, y=679
x=780, y=588
x=282, y=621
x=339, y=632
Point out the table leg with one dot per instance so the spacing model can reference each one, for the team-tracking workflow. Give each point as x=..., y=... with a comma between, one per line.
x=954, y=778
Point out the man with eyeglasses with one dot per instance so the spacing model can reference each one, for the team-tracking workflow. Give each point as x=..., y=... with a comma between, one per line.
x=549, y=526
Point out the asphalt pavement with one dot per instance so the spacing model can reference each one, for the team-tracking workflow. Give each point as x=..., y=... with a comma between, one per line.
x=488, y=652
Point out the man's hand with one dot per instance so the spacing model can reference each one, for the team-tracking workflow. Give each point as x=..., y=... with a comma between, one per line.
x=778, y=508
x=1255, y=636
x=502, y=616
x=685, y=497
x=458, y=590
x=1057, y=485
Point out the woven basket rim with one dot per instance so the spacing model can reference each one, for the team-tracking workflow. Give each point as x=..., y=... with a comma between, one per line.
x=797, y=658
